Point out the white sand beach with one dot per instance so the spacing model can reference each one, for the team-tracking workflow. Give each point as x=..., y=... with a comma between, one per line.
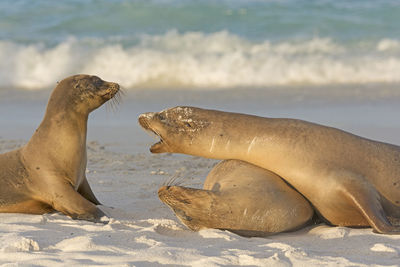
x=125, y=177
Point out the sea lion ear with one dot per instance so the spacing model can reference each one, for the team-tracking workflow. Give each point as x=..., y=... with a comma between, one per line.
x=77, y=84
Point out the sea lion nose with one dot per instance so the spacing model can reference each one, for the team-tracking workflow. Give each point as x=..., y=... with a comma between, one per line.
x=144, y=118
x=146, y=115
x=163, y=188
x=115, y=86
x=162, y=191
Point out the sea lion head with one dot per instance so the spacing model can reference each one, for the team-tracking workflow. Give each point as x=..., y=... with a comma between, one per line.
x=83, y=92
x=185, y=203
x=179, y=128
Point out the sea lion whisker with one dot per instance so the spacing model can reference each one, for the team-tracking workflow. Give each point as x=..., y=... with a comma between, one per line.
x=118, y=97
x=172, y=180
x=115, y=101
x=181, y=183
x=111, y=106
x=175, y=180
x=121, y=92
x=167, y=182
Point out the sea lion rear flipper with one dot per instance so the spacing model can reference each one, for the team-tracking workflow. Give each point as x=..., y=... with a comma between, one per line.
x=368, y=202
x=85, y=190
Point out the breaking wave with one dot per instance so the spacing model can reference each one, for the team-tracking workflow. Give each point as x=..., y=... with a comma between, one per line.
x=199, y=60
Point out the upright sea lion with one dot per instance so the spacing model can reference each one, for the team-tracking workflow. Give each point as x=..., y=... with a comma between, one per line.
x=350, y=180
x=239, y=197
x=48, y=173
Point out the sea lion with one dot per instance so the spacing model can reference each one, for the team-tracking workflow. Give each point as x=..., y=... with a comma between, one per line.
x=242, y=198
x=350, y=180
x=48, y=173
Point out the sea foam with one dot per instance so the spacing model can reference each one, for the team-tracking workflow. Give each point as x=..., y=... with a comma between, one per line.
x=199, y=60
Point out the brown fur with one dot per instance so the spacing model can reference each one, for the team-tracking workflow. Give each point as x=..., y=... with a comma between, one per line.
x=350, y=180
x=242, y=198
x=48, y=173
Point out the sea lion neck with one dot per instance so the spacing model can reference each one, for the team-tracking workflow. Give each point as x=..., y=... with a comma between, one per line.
x=65, y=135
x=63, y=129
x=66, y=120
x=59, y=104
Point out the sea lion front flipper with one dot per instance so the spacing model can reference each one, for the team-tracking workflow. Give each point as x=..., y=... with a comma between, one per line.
x=71, y=203
x=368, y=202
x=85, y=190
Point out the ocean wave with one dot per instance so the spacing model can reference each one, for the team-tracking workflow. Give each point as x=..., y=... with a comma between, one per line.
x=199, y=60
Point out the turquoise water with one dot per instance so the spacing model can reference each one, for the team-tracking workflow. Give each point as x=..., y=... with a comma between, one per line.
x=200, y=44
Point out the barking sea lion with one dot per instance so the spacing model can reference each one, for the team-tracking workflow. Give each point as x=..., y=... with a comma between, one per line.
x=350, y=180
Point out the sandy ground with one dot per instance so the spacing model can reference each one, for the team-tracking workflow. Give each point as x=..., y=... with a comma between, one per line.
x=144, y=232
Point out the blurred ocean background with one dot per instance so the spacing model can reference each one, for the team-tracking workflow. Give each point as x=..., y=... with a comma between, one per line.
x=204, y=44
x=335, y=62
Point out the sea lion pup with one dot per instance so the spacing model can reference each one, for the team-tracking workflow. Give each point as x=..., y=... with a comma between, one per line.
x=48, y=173
x=350, y=180
x=242, y=198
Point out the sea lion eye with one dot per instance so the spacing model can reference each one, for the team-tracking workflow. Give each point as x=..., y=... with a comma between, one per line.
x=161, y=117
x=97, y=81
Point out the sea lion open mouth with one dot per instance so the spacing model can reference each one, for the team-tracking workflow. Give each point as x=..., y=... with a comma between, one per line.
x=155, y=147
x=144, y=122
